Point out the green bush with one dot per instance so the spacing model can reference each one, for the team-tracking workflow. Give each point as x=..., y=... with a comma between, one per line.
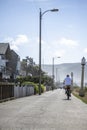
x=86, y=89
x=36, y=90
x=36, y=86
x=33, y=84
x=42, y=88
x=45, y=79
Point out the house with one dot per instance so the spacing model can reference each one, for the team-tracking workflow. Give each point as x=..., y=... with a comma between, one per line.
x=9, y=62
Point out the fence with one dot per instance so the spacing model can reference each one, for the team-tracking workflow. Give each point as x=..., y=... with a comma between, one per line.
x=23, y=91
x=9, y=90
x=6, y=90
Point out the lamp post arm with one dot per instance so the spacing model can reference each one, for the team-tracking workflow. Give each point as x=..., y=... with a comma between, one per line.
x=53, y=10
x=45, y=12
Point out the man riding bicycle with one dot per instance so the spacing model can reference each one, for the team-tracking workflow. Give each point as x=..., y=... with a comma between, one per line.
x=67, y=83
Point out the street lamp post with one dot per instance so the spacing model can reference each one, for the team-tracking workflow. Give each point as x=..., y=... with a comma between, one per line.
x=56, y=73
x=72, y=79
x=83, y=62
x=40, y=19
x=53, y=71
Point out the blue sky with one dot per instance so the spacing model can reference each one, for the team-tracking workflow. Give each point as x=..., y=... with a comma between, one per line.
x=63, y=32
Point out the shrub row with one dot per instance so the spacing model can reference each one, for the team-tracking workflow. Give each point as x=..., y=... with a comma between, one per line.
x=36, y=87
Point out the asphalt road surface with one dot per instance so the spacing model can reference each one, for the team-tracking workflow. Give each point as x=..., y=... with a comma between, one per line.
x=49, y=111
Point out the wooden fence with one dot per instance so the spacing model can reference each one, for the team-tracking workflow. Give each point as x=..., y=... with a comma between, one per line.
x=6, y=90
x=10, y=91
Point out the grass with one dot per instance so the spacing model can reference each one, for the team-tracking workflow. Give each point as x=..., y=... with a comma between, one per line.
x=75, y=92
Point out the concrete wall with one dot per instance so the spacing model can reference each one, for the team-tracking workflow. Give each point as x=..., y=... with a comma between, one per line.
x=23, y=91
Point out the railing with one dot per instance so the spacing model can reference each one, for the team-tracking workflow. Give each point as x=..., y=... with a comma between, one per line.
x=6, y=90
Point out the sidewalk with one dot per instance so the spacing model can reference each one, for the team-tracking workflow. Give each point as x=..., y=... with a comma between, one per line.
x=49, y=111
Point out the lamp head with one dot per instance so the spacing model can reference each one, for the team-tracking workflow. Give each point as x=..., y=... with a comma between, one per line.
x=54, y=10
x=83, y=61
x=58, y=57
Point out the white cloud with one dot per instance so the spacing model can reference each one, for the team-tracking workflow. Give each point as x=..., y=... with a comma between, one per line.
x=42, y=41
x=68, y=42
x=21, y=39
x=16, y=42
x=60, y=53
x=85, y=50
x=14, y=47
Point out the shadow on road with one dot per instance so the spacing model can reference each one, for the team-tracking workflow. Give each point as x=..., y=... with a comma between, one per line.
x=66, y=99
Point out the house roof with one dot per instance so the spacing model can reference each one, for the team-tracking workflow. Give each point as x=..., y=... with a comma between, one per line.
x=3, y=47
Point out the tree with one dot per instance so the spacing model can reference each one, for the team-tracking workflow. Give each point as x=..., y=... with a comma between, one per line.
x=24, y=65
x=28, y=65
x=32, y=72
x=30, y=61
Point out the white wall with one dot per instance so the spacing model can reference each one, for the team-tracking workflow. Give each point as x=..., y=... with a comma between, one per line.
x=23, y=91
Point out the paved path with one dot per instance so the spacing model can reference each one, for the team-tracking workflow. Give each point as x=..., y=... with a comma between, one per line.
x=50, y=111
